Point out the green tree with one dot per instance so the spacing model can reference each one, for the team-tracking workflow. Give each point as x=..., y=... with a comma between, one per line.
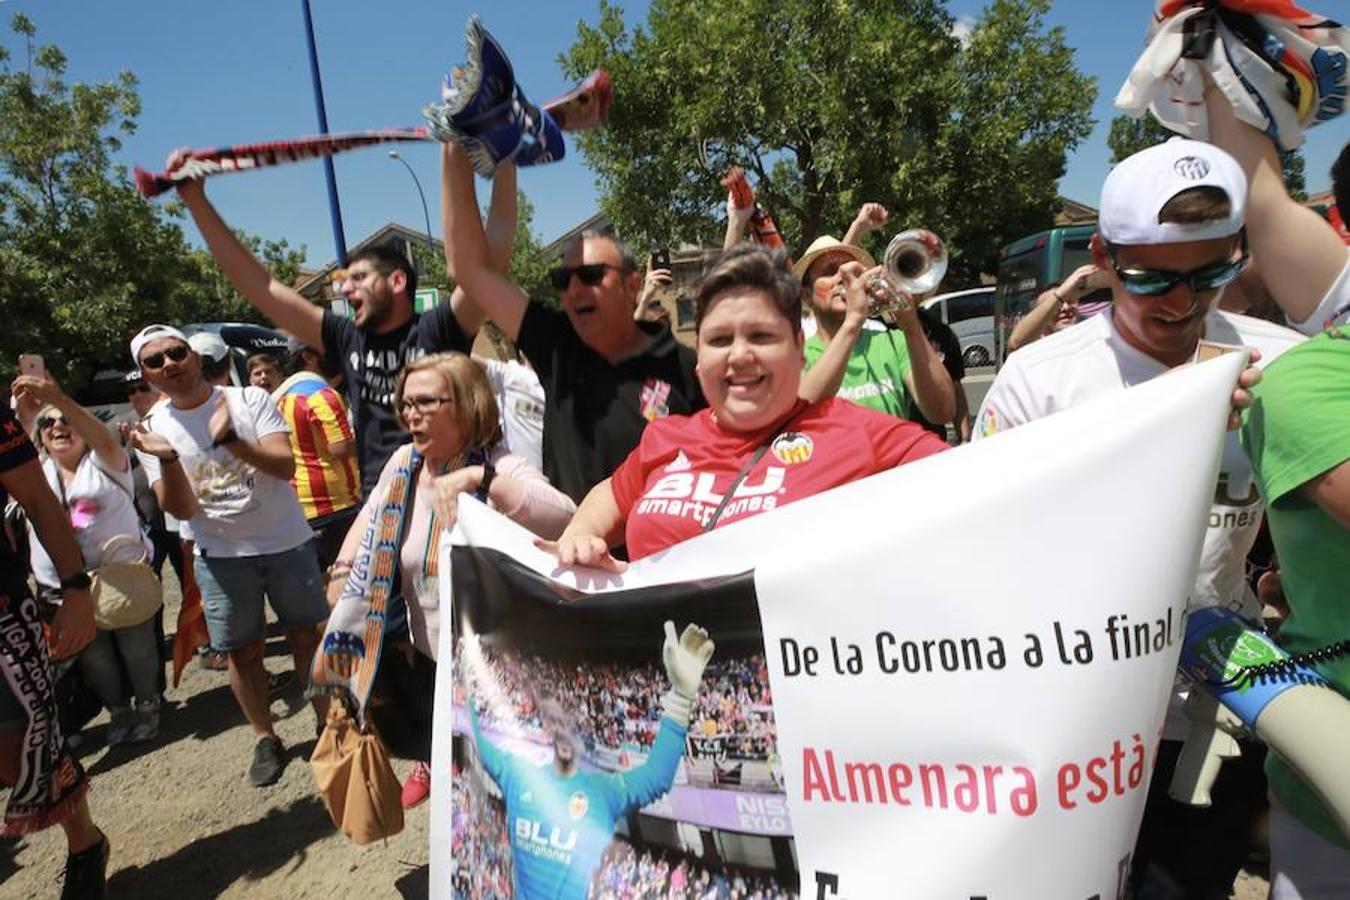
x=85, y=261
x=1128, y=136
x=829, y=105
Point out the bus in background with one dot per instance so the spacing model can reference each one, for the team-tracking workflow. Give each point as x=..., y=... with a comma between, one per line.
x=1029, y=265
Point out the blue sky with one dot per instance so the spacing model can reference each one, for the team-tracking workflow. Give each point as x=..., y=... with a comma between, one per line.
x=224, y=73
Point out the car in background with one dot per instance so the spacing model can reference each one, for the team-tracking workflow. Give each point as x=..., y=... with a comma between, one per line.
x=970, y=315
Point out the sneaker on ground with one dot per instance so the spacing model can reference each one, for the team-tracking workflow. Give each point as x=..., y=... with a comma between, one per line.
x=268, y=761
x=215, y=660
x=147, y=720
x=87, y=873
x=278, y=682
x=418, y=786
x=122, y=721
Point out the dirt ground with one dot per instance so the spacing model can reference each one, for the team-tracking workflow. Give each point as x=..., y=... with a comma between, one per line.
x=185, y=823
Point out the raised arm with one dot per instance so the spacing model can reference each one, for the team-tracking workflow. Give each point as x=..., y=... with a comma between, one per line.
x=277, y=301
x=737, y=219
x=871, y=217
x=468, y=250
x=101, y=440
x=502, y=221
x=1036, y=323
x=928, y=380
x=1309, y=255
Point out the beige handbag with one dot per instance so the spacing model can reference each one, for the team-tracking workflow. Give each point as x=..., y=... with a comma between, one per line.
x=126, y=590
x=358, y=786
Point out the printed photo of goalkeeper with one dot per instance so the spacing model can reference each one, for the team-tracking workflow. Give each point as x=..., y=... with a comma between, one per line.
x=616, y=747
x=559, y=818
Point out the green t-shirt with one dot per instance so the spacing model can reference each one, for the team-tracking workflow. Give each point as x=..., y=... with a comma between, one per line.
x=1298, y=428
x=875, y=375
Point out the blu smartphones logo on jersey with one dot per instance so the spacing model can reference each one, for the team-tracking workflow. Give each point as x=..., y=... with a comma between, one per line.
x=692, y=495
x=551, y=842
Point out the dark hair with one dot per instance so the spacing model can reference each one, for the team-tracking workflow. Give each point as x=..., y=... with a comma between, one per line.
x=385, y=259
x=212, y=368
x=630, y=263
x=1196, y=205
x=1340, y=182
x=750, y=265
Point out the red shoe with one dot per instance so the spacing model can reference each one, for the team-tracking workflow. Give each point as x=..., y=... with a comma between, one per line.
x=417, y=788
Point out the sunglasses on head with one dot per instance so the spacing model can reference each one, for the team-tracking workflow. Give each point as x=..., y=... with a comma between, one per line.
x=1156, y=282
x=45, y=422
x=177, y=353
x=590, y=274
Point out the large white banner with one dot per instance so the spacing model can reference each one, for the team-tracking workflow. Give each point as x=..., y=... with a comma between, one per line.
x=955, y=690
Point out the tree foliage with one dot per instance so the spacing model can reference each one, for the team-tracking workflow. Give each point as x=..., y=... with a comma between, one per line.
x=85, y=261
x=1128, y=136
x=831, y=104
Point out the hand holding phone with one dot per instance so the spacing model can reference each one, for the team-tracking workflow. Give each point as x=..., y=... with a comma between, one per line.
x=32, y=364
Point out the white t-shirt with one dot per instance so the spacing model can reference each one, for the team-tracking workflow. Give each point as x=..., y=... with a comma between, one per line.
x=98, y=503
x=1089, y=359
x=240, y=510
x=1335, y=306
x=520, y=398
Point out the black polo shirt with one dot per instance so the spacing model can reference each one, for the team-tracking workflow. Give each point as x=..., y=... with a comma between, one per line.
x=594, y=411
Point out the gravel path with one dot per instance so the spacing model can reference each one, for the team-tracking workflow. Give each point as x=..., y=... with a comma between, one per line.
x=185, y=823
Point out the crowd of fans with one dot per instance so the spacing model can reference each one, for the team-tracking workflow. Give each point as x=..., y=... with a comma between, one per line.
x=618, y=706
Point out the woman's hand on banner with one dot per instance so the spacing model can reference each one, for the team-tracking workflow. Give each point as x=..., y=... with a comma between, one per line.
x=582, y=550
x=1242, y=395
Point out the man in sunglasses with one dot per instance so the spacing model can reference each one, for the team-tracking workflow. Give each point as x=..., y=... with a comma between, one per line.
x=605, y=376
x=219, y=459
x=1171, y=236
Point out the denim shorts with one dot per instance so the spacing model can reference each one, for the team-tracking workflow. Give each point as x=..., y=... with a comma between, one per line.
x=233, y=589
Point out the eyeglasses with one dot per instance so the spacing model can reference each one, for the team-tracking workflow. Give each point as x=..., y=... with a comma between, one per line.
x=425, y=406
x=139, y=387
x=45, y=422
x=590, y=274
x=177, y=353
x=1156, y=282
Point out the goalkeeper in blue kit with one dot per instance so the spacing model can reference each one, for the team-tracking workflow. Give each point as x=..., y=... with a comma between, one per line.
x=559, y=818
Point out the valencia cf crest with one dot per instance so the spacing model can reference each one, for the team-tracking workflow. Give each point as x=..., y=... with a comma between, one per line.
x=792, y=447
x=577, y=804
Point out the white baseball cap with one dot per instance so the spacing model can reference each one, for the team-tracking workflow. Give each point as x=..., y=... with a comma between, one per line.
x=1139, y=186
x=209, y=345
x=153, y=333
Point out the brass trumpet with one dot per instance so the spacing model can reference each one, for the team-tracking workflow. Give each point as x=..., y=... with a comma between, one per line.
x=914, y=264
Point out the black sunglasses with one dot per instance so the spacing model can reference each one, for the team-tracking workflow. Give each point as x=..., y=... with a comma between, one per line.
x=1156, y=282
x=45, y=422
x=590, y=274
x=177, y=353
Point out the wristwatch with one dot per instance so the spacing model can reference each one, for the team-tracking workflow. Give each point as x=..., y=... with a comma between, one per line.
x=80, y=581
x=489, y=473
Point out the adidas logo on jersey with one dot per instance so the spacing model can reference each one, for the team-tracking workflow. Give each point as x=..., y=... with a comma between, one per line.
x=679, y=464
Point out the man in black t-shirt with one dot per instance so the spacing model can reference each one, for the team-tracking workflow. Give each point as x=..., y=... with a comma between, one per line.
x=948, y=348
x=604, y=375
x=385, y=335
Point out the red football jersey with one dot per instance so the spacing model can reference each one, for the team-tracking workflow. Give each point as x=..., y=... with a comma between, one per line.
x=673, y=482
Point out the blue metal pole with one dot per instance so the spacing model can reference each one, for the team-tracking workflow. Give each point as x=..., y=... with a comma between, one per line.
x=334, y=209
